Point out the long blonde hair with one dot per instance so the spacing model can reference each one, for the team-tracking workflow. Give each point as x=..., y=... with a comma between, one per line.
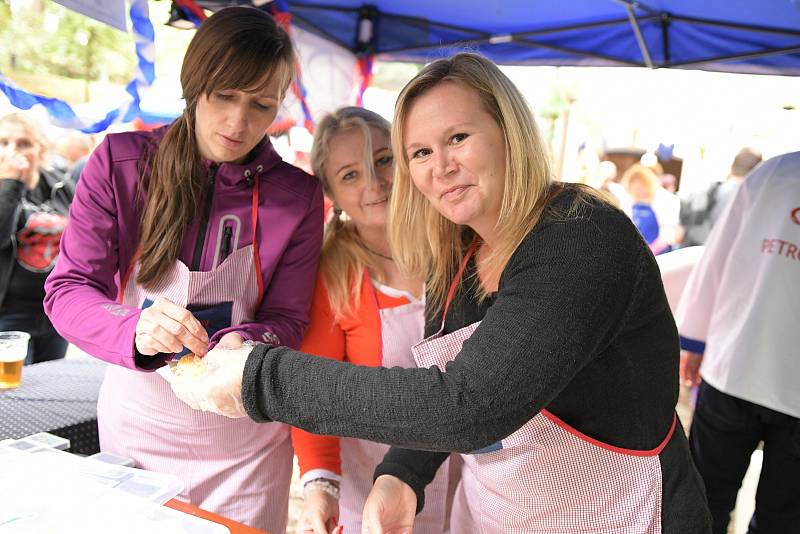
x=344, y=257
x=236, y=48
x=423, y=242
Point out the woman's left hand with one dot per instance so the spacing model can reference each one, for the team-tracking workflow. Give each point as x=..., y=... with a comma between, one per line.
x=390, y=507
x=231, y=340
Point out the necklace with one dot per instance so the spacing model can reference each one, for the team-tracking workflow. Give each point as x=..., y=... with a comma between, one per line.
x=376, y=253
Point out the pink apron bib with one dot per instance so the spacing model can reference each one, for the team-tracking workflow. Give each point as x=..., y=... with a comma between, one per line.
x=401, y=327
x=234, y=467
x=547, y=477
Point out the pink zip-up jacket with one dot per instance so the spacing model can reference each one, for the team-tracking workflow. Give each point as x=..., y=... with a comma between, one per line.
x=99, y=243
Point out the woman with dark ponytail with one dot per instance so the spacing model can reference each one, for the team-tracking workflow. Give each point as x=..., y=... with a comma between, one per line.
x=191, y=236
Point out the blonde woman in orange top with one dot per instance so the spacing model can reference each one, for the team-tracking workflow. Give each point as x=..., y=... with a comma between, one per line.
x=364, y=311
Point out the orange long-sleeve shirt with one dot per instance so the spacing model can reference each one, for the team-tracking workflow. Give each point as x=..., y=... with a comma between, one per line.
x=355, y=339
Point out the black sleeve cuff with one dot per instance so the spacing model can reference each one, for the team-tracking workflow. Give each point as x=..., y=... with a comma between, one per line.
x=415, y=468
x=150, y=363
x=400, y=471
x=254, y=383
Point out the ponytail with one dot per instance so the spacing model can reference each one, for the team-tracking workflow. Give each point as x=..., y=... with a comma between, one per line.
x=174, y=192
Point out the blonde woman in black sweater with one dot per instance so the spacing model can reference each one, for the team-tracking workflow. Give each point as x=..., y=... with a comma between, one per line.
x=552, y=364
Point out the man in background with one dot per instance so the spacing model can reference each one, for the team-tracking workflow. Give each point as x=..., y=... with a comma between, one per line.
x=738, y=322
x=701, y=210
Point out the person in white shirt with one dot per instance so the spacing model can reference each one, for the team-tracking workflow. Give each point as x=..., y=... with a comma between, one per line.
x=738, y=321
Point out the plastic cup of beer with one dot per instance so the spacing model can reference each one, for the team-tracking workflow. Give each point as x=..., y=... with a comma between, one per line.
x=13, y=349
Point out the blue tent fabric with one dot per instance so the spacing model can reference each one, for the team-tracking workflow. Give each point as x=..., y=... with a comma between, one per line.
x=751, y=36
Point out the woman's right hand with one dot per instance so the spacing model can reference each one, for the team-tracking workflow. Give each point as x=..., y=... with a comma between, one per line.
x=390, y=507
x=167, y=327
x=13, y=165
x=320, y=510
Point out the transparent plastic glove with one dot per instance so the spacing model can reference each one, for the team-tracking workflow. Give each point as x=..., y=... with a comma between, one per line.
x=217, y=385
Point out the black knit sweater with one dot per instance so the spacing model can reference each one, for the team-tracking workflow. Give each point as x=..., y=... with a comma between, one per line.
x=580, y=325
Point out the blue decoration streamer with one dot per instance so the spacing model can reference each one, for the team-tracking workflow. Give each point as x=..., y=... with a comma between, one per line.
x=62, y=113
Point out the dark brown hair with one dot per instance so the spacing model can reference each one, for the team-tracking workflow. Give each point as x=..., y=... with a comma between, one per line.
x=239, y=48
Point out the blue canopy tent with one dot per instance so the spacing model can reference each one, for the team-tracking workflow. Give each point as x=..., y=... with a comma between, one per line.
x=748, y=36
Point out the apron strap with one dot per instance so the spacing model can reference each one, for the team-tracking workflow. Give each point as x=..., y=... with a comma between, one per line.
x=470, y=251
x=256, y=257
x=123, y=283
x=367, y=286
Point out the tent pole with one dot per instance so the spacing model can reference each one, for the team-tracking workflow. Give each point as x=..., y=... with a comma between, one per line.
x=562, y=152
x=736, y=26
x=665, y=22
x=525, y=42
x=760, y=53
x=586, y=26
x=579, y=53
x=637, y=31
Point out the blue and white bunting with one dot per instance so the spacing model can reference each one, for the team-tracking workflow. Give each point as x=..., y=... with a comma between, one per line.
x=62, y=113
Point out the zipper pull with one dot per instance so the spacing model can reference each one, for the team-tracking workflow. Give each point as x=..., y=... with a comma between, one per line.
x=227, y=234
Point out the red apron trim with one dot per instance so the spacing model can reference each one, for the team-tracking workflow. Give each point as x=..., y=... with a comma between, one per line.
x=454, y=284
x=256, y=258
x=630, y=452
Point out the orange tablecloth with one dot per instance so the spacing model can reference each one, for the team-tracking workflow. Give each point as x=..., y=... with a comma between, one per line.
x=235, y=527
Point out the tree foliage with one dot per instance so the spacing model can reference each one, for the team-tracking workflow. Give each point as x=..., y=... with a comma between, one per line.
x=48, y=39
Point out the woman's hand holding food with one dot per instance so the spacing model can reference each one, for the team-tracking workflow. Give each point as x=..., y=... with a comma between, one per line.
x=213, y=383
x=167, y=327
x=221, y=388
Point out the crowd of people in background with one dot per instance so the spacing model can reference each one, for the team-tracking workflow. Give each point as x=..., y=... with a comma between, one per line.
x=543, y=307
x=666, y=217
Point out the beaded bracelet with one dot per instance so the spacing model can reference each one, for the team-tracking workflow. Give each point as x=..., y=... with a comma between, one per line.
x=328, y=486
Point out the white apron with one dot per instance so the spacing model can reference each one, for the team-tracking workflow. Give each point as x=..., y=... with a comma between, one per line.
x=547, y=477
x=401, y=327
x=234, y=467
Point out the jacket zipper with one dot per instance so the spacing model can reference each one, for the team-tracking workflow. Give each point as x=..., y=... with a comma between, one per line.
x=201, y=232
x=227, y=235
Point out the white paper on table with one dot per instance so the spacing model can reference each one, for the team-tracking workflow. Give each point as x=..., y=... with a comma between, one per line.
x=45, y=491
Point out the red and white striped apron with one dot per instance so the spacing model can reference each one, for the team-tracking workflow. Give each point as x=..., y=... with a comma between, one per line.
x=548, y=477
x=401, y=327
x=234, y=467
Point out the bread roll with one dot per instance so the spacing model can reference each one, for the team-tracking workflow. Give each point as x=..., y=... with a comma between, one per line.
x=190, y=366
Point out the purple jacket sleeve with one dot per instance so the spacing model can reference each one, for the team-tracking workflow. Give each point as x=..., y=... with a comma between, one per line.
x=81, y=289
x=287, y=300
